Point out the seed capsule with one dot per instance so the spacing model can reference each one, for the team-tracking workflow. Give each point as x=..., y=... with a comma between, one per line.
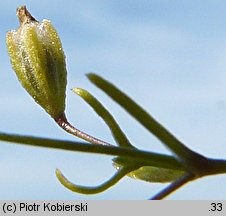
x=38, y=59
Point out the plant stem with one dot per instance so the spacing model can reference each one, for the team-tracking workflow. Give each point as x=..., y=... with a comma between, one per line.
x=173, y=186
x=64, y=124
x=147, y=158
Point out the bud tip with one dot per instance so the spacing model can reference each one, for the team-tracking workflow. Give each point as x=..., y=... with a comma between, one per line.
x=24, y=16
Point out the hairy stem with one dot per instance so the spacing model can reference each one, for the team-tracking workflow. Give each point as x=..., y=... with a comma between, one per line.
x=64, y=124
x=173, y=186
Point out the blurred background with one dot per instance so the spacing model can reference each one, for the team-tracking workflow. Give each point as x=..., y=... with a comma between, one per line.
x=169, y=56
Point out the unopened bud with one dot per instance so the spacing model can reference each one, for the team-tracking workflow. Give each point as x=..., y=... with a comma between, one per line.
x=38, y=59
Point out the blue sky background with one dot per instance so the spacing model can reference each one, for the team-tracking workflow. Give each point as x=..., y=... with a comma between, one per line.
x=170, y=56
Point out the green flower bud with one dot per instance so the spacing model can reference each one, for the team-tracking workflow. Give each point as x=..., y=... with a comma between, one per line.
x=38, y=59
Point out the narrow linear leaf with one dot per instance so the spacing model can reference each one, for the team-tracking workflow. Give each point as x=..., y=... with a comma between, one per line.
x=116, y=131
x=96, y=189
x=186, y=155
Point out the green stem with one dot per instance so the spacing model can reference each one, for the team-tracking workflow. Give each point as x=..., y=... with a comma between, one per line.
x=147, y=158
x=173, y=186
